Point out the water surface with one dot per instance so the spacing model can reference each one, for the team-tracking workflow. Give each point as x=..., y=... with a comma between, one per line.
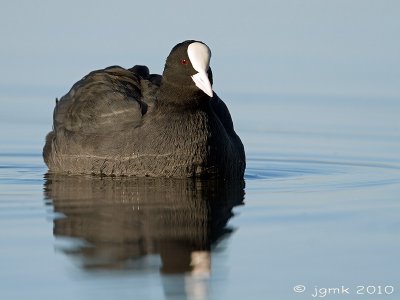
x=319, y=209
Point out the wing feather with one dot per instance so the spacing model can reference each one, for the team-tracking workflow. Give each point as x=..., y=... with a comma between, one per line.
x=104, y=101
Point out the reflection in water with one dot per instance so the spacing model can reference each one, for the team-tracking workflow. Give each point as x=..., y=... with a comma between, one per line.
x=124, y=219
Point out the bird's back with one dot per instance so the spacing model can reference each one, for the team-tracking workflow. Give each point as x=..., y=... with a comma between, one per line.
x=105, y=101
x=101, y=105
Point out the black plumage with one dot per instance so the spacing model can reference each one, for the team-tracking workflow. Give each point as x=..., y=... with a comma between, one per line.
x=127, y=122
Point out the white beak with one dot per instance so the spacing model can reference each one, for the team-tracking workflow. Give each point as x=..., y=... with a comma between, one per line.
x=199, y=55
x=202, y=82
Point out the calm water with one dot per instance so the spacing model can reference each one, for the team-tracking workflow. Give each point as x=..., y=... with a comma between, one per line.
x=320, y=209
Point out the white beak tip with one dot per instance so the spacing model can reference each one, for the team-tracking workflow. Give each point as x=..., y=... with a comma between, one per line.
x=210, y=93
x=203, y=83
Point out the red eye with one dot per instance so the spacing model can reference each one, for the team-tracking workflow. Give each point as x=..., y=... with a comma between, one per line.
x=184, y=62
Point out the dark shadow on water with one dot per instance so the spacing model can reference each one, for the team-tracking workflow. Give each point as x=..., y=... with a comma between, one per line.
x=122, y=220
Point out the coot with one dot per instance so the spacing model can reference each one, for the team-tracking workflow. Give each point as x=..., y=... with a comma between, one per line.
x=128, y=122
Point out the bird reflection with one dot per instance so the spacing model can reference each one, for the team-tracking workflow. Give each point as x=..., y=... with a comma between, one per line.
x=122, y=220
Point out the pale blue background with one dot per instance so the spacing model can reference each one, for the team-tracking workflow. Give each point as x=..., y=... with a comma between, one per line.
x=338, y=47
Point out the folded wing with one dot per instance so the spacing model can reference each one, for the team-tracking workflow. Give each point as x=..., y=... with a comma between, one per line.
x=106, y=100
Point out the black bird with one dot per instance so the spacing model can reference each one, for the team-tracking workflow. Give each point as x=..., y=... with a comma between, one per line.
x=127, y=122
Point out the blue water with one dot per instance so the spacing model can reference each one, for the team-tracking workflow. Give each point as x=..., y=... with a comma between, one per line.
x=320, y=209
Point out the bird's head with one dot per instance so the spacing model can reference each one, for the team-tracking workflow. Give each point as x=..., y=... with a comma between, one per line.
x=188, y=67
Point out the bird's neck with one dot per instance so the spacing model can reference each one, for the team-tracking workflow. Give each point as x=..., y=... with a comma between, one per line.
x=174, y=94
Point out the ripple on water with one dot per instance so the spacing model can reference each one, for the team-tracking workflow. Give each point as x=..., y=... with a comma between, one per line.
x=305, y=174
